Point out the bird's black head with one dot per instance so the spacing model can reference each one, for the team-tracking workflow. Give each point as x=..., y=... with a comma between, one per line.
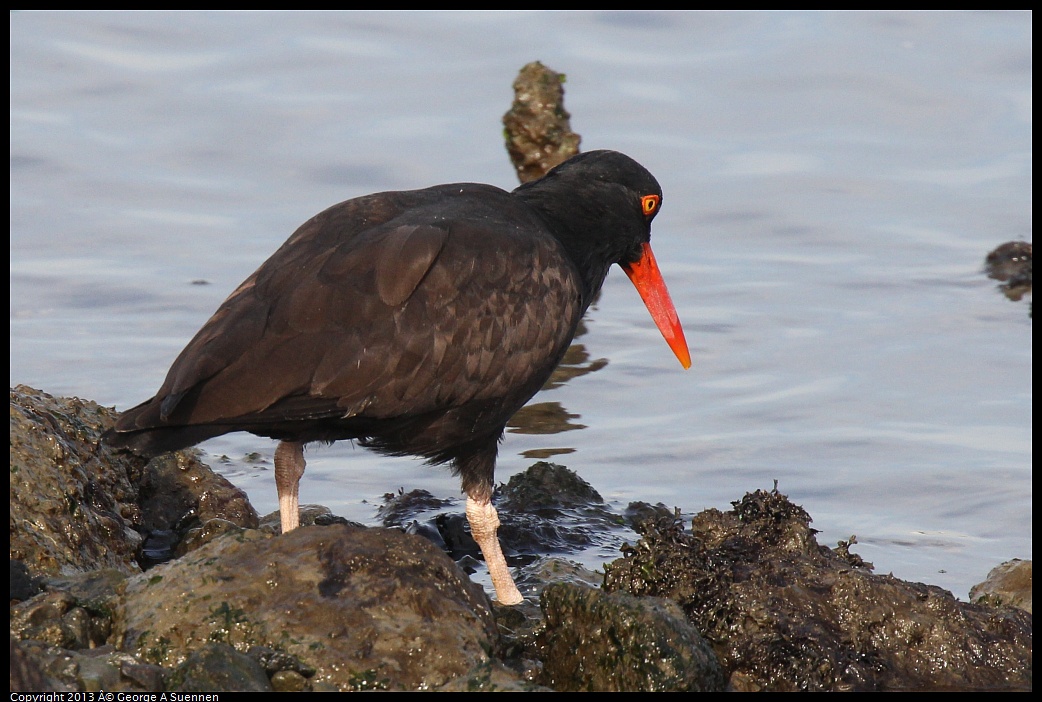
x=600, y=205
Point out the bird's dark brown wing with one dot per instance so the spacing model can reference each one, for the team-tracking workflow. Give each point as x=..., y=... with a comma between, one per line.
x=381, y=307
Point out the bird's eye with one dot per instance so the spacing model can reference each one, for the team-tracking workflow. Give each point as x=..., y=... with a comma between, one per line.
x=649, y=203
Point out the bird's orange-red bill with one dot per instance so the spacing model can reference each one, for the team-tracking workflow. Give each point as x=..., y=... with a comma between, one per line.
x=645, y=276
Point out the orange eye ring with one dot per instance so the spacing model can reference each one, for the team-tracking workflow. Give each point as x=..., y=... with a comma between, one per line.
x=650, y=203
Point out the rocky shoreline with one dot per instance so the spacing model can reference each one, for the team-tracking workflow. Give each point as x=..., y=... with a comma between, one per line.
x=737, y=600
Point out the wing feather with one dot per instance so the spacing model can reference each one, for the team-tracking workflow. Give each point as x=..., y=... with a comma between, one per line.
x=382, y=307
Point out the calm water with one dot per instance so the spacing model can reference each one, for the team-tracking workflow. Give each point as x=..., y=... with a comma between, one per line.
x=832, y=184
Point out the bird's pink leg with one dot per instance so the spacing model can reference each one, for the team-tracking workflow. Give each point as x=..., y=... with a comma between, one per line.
x=289, y=468
x=484, y=522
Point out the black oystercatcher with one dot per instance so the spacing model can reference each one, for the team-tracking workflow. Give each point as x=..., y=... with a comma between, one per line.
x=416, y=322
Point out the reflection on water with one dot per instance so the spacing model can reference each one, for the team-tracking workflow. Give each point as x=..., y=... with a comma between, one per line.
x=543, y=418
x=543, y=454
x=576, y=362
x=551, y=417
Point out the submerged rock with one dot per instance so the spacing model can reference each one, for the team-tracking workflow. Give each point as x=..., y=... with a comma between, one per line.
x=549, y=509
x=546, y=509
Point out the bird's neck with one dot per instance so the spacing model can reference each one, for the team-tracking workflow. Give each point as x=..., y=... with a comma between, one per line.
x=582, y=235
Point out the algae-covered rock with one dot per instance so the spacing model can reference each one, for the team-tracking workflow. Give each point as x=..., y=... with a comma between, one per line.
x=613, y=642
x=363, y=608
x=72, y=508
x=538, y=129
x=784, y=613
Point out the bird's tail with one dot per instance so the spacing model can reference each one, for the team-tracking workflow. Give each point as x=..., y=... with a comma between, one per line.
x=156, y=441
x=141, y=430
